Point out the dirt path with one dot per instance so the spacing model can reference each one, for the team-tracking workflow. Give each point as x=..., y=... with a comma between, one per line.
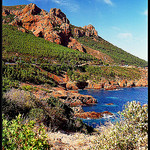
x=72, y=141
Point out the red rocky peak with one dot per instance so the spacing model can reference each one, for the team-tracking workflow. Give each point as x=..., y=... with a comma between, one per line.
x=31, y=9
x=53, y=26
x=90, y=30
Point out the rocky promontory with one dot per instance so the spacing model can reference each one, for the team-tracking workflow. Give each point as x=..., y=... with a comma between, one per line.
x=93, y=115
x=53, y=26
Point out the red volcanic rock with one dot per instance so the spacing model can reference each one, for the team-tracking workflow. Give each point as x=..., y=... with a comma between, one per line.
x=129, y=83
x=76, y=103
x=107, y=113
x=59, y=94
x=16, y=12
x=74, y=44
x=110, y=104
x=52, y=37
x=76, y=99
x=113, y=82
x=71, y=86
x=32, y=9
x=39, y=32
x=16, y=22
x=78, y=32
x=77, y=109
x=103, y=84
x=65, y=28
x=43, y=12
x=73, y=98
x=42, y=26
x=89, y=27
x=53, y=26
x=58, y=16
x=142, y=82
x=92, y=115
x=123, y=83
x=110, y=87
x=65, y=78
x=29, y=19
x=90, y=30
x=23, y=30
x=5, y=12
x=73, y=91
x=92, y=85
x=87, y=33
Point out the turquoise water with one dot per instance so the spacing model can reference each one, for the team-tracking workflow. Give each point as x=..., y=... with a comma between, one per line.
x=118, y=97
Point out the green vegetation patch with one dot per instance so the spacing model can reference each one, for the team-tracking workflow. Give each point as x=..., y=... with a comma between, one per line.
x=19, y=135
x=119, y=55
x=24, y=43
x=96, y=73
x=9, y=18
x=15, y=7
x=26, y=72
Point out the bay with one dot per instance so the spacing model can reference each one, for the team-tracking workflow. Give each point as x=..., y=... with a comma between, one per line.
x=118, y=97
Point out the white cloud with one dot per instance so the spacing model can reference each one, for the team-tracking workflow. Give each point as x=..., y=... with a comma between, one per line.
x=145, y=12
x=57, y=1
x=71, y=5
x=109, y=2
x=125, y=35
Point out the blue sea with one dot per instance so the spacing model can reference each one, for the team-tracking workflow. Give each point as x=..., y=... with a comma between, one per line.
x=118, y=97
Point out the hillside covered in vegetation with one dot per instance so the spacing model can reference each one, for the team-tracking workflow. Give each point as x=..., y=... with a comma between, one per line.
x=55, y=27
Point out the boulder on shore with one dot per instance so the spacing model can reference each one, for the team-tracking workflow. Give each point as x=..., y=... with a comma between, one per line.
x=93, y=114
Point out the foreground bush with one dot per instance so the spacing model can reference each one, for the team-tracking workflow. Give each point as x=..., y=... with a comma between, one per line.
x=130, y=133
x=19, y=135
x=17, y=101
x=53, y=113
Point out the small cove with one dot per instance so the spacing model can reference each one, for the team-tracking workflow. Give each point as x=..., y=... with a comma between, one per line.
x=118, y=97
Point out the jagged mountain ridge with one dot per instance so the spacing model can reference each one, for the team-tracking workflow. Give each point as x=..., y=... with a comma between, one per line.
x=54, y=26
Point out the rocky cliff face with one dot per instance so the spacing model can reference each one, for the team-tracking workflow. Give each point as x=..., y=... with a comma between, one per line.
x=53, y=26
x=88, y=30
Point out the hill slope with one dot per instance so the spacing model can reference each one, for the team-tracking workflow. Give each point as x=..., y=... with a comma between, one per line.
x=117, y=54
x=26, y=48
x=55, y=27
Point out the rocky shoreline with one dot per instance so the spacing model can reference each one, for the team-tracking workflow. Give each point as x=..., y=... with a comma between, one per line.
x=70, y=96
x=67, y=92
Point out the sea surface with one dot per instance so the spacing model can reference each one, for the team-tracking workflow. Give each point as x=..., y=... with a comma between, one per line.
x=118, y=97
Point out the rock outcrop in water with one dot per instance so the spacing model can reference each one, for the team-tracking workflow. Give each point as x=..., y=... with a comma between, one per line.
x=93, y=115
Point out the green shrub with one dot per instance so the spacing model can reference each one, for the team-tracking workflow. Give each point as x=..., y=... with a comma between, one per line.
x=19, y=135
x=130, y=133
x=26, y=72
x=8, y=83
x=27, y=88
x=36, y=113
x=58, y=116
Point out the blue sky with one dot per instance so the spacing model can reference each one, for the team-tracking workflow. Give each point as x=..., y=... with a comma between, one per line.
x=124, y=23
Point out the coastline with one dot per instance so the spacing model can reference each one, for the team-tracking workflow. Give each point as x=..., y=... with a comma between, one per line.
x=114, y=100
